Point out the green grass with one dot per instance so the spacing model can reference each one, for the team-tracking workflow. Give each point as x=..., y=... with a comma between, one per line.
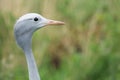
x=85, y=48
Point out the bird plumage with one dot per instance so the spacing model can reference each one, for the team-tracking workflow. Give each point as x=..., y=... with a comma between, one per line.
x=23, y=31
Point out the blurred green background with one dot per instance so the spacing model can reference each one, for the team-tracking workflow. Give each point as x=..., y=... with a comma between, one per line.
x=87, y=47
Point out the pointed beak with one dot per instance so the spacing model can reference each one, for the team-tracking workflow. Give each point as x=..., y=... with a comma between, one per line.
x=53, y=22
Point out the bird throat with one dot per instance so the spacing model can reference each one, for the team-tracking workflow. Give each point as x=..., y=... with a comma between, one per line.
x=32, y=67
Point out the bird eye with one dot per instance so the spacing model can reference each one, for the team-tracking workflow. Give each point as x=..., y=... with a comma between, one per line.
x=35, y=19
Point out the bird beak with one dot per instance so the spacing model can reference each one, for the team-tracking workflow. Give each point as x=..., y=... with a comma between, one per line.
x=53, y=22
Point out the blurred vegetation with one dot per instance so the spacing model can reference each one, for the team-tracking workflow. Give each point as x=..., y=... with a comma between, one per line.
x=86, y=48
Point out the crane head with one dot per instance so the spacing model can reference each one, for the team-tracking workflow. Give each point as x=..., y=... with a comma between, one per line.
x=29, y=23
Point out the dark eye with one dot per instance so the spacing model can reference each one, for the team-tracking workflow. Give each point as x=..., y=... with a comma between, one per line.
x=35, y=19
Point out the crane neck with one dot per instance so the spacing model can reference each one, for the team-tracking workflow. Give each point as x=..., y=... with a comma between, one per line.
x=32, y=67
